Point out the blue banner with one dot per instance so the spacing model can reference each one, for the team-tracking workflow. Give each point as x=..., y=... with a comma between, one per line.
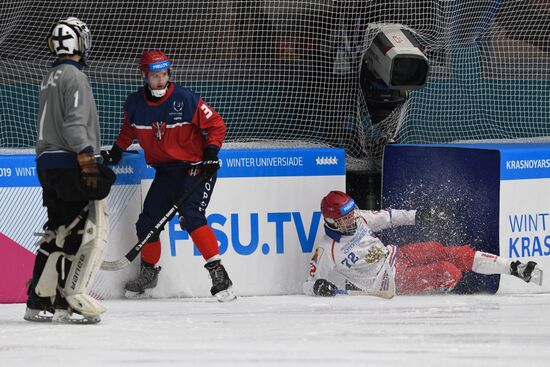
x=282, y=162
x=20, y=170
x=278, y=163
x=518, y=161
x=521, y=164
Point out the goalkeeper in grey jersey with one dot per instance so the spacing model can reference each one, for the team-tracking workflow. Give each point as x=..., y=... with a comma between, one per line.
x=73, y=184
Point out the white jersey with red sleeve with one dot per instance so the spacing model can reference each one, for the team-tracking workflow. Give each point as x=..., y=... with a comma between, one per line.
x=361, y=258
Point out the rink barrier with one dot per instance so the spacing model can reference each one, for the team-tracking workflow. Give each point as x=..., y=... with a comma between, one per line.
x=264, y=211
x=499, y=195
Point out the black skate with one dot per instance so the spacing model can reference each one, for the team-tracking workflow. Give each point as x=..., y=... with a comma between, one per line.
x=147, y=279
x=221, y=284
x=528, y=272
x=39, y=309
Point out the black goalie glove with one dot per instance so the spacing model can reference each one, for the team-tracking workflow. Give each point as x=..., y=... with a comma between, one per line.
x=112, y=156
x=324, y=288
x=433, y=215
x=210, y=161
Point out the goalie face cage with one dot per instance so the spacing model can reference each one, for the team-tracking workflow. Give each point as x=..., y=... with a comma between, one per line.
x=289, y=70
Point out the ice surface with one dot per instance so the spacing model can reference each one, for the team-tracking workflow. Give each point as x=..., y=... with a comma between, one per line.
x=443, y=331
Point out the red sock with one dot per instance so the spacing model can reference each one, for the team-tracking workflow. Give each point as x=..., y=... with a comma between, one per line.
x=150, y=253
x=206, y=241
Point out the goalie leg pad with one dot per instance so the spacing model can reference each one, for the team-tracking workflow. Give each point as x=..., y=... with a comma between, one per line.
x=50, y=247
x=87, y=261
x=86, y=305
x=69, y=237
x=47, y=283
x=44, y=279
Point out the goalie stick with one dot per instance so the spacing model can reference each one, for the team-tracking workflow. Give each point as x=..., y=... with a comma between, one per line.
x=131, y=255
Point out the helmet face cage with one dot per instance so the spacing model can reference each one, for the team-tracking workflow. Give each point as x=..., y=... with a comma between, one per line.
x=347, y=224
x=153, y=61
x=339, y=212
x=70, y=37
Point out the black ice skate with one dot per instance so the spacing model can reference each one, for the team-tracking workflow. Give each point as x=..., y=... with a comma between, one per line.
x=528, y=272
x=39, y=309
x=221, y=284
x=147, y=279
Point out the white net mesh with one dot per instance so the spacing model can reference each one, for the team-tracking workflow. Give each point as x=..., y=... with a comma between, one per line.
x=289, y=70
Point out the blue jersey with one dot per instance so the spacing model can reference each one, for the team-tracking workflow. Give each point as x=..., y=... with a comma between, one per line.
x=176, y=128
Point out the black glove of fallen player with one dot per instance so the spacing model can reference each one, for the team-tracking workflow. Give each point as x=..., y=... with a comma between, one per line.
x=112, y=156
x=324, y=288
x=210, y=161
x=432, y=215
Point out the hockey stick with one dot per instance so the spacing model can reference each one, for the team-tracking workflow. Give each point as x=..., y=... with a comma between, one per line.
x=382, y=294
x=132, y=254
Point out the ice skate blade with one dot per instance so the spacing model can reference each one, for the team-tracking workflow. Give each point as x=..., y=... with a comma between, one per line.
x=62, y=317
x=37, y=315
x=137, y=295
x=226, y=295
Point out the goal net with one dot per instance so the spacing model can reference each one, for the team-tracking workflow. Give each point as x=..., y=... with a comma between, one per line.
x=289, y=71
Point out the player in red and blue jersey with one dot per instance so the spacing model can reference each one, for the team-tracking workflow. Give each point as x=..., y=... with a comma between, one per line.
x=181, y=136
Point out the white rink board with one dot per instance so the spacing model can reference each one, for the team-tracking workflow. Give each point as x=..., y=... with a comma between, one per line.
x=271, y=195
x=282, y=270
x=525, y=228
x=499, y=192
x=265, y=213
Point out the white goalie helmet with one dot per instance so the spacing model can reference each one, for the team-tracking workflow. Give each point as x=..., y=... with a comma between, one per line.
x=70, y=36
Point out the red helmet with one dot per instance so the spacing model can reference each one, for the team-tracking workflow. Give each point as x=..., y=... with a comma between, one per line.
x=154, y=60
x=338, y=209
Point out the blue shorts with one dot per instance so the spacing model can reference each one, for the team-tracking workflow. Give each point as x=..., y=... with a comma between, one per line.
x=169, y=184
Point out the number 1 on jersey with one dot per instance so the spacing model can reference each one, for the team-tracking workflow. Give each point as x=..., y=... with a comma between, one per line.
x=41, y=125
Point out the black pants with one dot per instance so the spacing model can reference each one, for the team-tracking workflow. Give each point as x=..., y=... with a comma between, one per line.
x=168, y=185
x=61, y=195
